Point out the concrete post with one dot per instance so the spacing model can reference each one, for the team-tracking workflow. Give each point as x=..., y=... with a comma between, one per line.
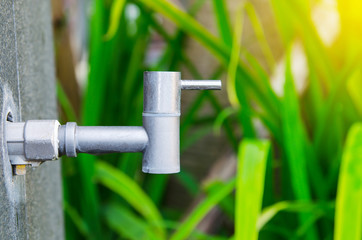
x=30, y=205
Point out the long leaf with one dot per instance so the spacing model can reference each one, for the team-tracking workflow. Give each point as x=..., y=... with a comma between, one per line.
x=223, y=21
x=234, y=58
x=260, y=36
x=348, y=219
x=269, y=212
x=116, y=13
x=132, y=193
x=65, y=104
x=127, y=224
x=92, y=105
x=295, y=151
x=201, y=210
x=252, y=159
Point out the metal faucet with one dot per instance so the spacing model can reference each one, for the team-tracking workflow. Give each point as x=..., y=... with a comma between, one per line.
x=35, y=141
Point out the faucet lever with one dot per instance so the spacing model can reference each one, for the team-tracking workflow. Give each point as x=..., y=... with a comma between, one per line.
x=200, y=84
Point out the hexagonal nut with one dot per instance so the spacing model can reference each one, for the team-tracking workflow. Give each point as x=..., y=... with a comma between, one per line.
x=41, y=139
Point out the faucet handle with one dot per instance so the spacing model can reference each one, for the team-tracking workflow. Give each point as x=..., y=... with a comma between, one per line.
x=200, y=84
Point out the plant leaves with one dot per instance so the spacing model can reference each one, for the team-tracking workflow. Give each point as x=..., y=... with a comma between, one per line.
x=127, y=224
x=200, y=211
x=121, y=184
x=348, y=217
x=116, y=14
x=252, y=159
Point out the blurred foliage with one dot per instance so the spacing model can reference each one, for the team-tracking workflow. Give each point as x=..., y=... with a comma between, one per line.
x=288, y=192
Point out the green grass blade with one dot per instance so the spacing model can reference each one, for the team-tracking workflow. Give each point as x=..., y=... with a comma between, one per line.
x=308, y=224
x=348, y=218
x=155, y=187
x=314, y=96
x=220, y=119
x=223, y=23
x=297, y=20
x=293, y=129
x=121, y=184
x=234, y=58
x=227, y=205
x=335, y=94
x=65, y=104
x=191, y=113
x=269, y=121
x=295, y=151
x=201, y=210
x=92, y=105
x=252, y=159
x=77, y=219
x=260, y=36
x=127, y=224
x=116, y=13
x=189, y=182
x=353, y=87
x=191, y=26
x=195, y=136
x=195, y=7
x=270, y=212
x=285, y=28
x=238, y=94
x=94, y=95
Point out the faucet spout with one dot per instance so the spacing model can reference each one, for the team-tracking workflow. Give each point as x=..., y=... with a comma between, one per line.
x=161, y=118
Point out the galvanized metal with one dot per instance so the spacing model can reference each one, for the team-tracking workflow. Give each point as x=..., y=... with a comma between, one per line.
x=41, y=139
x=35, y=140
x=68, y=137
x=159, y=138
x=161, y=118
x=97, y=140
x=161, y=113
x=161, y=92
x=162, y=154
x=200, y=84
x=14, y=135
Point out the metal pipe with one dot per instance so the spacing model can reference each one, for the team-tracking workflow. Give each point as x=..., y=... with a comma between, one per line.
x=99, y=140
x=111, y=139
x=200, y=84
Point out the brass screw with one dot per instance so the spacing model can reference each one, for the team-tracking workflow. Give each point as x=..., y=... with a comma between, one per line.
x=19, y=169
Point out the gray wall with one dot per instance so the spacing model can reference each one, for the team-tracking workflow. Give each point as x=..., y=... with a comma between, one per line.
x=30, y=205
